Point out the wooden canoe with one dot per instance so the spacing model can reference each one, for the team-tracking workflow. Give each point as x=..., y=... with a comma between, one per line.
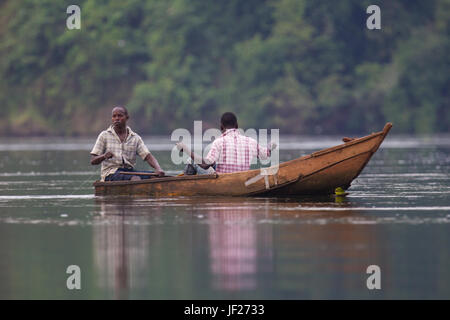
x=318, y=173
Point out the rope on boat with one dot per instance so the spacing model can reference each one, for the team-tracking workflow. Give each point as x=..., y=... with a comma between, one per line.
x=264, y=173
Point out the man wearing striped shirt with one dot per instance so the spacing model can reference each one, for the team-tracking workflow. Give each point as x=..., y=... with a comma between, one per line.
x=116, y=150
x=232, y=151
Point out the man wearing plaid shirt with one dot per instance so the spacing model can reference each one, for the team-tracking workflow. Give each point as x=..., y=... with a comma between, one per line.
x=116, y=150
x=232, y=151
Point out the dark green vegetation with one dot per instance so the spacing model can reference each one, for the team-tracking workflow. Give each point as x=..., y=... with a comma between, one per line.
x=304, y=66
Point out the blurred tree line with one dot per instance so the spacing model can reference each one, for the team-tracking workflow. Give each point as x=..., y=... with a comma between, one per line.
x=304, y=66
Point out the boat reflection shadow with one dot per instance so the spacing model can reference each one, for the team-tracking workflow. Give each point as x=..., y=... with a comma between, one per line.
x=121, y=247
x=262, y=246
x=241, y=251
x=271, y=245
x=324, y=249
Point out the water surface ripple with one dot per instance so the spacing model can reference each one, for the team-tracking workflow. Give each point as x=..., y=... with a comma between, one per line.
x=397, y=216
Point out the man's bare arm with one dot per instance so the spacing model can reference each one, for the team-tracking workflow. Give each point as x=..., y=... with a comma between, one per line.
x=95, y=159
x=200, y=162
x=151, y=160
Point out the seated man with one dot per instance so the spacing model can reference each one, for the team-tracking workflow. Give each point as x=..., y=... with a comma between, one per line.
x=231, y=152
x=116, y=150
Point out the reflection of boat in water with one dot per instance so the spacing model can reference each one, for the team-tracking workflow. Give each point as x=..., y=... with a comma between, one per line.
x=216, y=247
x=131, y=238
x=240, y=250
x=121, y=247
x=318, y=173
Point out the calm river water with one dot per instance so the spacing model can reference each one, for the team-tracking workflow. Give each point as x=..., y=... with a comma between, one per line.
x=397, y=216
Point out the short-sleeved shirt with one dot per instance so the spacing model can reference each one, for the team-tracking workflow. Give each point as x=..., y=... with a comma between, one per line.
x=124, y=152
x=234, y=152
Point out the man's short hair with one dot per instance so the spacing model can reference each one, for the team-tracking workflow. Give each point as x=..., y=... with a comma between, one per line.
x=123, y=108
x=229, y=120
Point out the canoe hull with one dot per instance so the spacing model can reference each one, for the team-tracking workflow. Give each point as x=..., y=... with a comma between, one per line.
x=326, y=180
x=318, y=173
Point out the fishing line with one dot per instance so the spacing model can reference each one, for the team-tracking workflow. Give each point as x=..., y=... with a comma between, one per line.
x=83, y=183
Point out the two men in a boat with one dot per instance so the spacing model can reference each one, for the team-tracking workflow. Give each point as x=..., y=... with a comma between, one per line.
x=116, y=150
x=231, y=152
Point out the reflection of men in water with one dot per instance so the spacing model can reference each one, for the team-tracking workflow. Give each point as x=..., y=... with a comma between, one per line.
x=121, y=246
x=240, y=248
x=116, y=150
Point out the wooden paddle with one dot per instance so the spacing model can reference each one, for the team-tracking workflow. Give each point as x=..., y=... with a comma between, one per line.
x=140, y=173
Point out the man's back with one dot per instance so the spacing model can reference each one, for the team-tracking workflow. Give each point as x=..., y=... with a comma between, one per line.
x=234, y=152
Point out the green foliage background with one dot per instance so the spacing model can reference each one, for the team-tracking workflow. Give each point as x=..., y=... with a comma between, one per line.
x=304, y=66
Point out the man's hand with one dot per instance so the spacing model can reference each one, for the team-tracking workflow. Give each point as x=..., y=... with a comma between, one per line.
x=181, y=146
x=151, y=160
x=160, y=173
x=108, y=155
x=273, y=145
x=95, y=159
